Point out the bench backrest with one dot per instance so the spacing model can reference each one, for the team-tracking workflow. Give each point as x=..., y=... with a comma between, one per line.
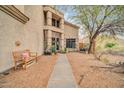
x=17, y=55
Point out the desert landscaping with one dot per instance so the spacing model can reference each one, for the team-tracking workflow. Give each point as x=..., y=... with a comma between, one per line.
x=34, y=76
x=89, y=72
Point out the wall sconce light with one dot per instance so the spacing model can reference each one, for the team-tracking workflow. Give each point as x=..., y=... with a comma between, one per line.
x=17, y=43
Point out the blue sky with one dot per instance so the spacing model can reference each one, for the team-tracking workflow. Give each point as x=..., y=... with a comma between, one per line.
x=67, y=11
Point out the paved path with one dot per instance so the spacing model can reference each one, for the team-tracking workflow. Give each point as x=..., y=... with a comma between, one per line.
x=62, y=76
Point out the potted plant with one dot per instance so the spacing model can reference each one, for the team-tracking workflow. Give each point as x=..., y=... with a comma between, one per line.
x=47, y=51
x=53, y=50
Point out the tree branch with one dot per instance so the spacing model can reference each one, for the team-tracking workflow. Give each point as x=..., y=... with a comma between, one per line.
x=103, y=20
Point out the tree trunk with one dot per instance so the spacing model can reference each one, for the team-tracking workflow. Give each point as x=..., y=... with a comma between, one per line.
x=92, y=47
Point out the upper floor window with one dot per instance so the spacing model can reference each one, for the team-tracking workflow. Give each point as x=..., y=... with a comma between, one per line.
x=55, y=23
x=58, y=23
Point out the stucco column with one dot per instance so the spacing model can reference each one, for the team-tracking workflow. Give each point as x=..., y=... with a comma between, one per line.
x=62, y=35
x=49, y=18
x=62, y=41
x=62, y=23
x=49, y=39
x=77, y=44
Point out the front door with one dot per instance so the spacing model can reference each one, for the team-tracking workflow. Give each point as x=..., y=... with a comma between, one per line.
x=56, y=43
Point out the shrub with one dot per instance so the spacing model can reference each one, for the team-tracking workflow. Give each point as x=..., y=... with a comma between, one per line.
x=110, y=45
x=64, y=50
x=47, y=52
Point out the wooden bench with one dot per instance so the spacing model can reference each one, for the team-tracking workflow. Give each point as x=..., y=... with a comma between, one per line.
x=19, y=60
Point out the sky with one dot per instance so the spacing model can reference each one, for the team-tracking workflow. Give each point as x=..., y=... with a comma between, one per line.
x=67, y=11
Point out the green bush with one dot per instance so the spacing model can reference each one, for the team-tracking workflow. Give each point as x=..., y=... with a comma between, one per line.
x=64, y=50
x=110, y=45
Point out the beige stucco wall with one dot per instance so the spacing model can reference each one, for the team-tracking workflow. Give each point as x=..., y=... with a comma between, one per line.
x=20, y=8
x=30, y=35
x=11, y=30
x=71, y=32
x=34, y=28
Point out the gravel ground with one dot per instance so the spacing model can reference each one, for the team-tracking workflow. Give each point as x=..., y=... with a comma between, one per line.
x=114, y=58
x=89, y=73
x=36, y=76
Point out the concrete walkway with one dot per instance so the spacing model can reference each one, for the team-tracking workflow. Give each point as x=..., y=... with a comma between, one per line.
x=62, y=76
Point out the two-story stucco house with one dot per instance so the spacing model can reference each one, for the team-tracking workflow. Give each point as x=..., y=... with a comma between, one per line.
x=36, y=28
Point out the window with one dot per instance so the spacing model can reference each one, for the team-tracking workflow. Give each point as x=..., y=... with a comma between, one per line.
x=55, y=22
x=45, y=18
x=70, y=43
